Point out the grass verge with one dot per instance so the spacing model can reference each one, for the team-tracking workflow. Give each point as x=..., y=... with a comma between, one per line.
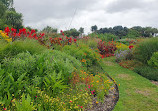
x=136, y=92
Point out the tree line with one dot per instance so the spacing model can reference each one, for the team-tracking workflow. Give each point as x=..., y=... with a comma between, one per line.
x=8, y=15
x=120, y=31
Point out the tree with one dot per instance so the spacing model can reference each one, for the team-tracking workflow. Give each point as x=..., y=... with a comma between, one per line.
x=72, y=32
x=94, y=28
x=2, y=10
x=81, y=30
x=7, y=3
x=49, y=29
x=14, y=19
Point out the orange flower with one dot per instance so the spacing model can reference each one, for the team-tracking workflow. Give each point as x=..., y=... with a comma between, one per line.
x=83, y=60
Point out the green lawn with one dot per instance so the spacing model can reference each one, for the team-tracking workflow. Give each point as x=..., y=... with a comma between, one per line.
x=136, y=92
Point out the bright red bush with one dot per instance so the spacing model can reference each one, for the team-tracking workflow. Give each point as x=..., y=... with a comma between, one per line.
x=106, y=49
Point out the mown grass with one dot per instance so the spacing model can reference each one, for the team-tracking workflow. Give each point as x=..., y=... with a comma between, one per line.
x=136, y=93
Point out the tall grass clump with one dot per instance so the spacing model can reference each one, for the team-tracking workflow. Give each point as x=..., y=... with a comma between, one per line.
x=145, y=49
x=14, y=48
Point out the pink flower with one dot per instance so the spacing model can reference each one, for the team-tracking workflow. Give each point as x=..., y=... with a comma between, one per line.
x=92, y=92
x=60, y=38
x=89, y=86
x=70, y=101
x=36, y=96
x=81, y=106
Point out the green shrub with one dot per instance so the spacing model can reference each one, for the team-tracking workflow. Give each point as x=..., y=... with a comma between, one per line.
x=25, y=104
x=145, y=49
x=92, y=42
x=50, y=71
x=147, y=72
x=87, y=56
x=154, y=60
x=12, y=49
x=41, y=64
x=105, y=36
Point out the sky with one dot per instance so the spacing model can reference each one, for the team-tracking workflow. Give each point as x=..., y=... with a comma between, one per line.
x=67, y=14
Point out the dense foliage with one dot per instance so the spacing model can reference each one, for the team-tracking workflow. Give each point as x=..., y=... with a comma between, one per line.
x=145, y=49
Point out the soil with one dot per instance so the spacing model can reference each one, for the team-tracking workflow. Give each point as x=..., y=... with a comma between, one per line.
x=155, y=82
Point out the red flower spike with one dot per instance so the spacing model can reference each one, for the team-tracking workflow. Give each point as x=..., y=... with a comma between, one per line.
x=33, y=31
x=50, y=38
x=7, y=29
x=4, y=108
x=61, y=31
x=36, y=38
x=131, y=46
x=42, y=34
x=102, y=56
x=34, y=35
x=75, y=40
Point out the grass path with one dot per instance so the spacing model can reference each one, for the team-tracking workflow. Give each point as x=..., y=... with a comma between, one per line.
x=136, y=92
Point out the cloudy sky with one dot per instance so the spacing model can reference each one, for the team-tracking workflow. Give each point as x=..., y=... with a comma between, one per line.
x=66, y=14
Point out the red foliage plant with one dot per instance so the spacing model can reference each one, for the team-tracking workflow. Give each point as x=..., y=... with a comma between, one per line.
x=106, y=49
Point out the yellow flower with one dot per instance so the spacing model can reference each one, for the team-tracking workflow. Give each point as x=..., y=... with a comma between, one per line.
x=97, y=102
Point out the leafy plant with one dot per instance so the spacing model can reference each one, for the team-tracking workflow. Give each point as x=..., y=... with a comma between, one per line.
x=106, y=48
x=87, y=56
x=53, y=83
x=25, y=104
x=154, y=60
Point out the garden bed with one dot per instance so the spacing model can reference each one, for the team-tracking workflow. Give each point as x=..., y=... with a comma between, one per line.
x=109, y=101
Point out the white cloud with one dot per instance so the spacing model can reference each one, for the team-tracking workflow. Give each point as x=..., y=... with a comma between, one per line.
x=103, y=13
